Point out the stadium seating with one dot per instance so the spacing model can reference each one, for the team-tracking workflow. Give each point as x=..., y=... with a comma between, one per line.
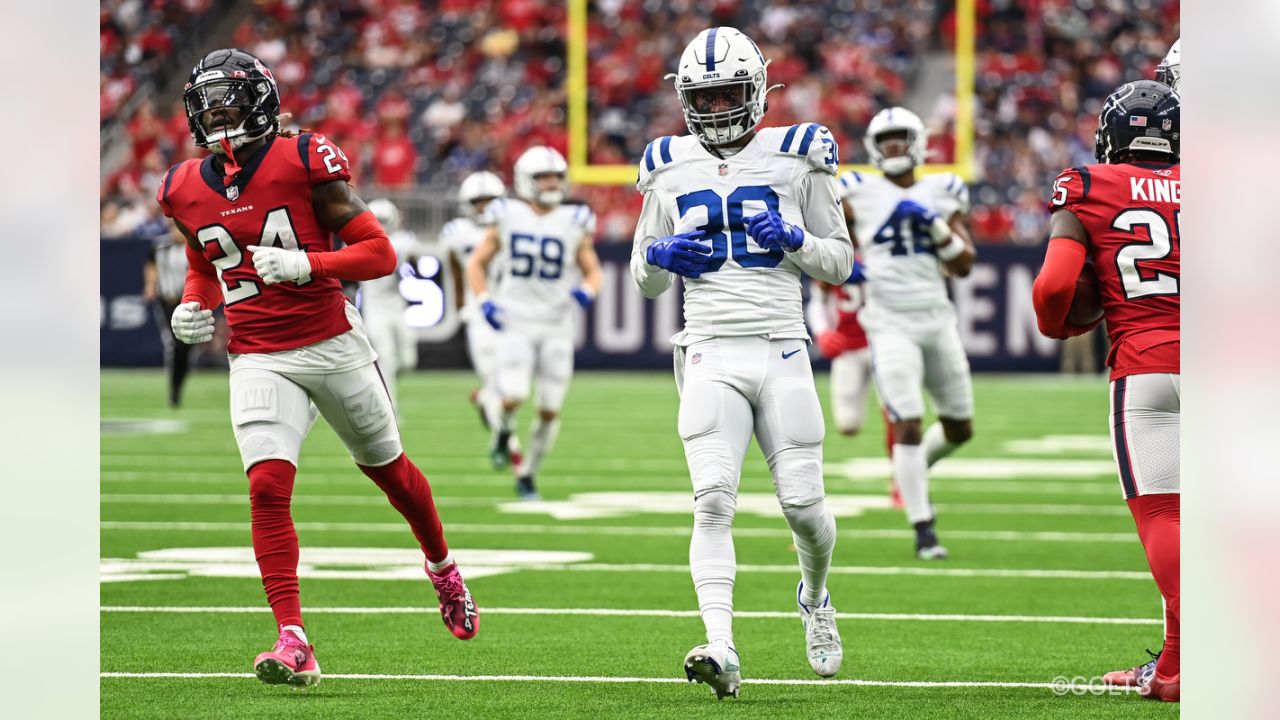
x=420, y=98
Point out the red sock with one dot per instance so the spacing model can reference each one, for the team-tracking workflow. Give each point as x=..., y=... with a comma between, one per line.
x=275, y=543
x=407, y=489
x=1159, y=523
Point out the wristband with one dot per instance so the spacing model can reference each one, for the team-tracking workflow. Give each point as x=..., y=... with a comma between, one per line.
x=951, y=250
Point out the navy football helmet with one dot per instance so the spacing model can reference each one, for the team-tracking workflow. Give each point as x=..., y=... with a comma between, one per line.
x=1140, y=116
x=231, y=78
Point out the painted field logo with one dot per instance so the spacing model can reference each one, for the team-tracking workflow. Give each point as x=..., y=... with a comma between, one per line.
x=323, y=563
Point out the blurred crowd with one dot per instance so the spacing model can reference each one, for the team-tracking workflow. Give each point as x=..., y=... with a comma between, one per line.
x=419, y=98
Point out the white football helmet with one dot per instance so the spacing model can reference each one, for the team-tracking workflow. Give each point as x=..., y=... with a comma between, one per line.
x=1169, y=71
x=541, y=160
x=722, y=60
x=896, y=119
x=387, y=214
x=482, y=185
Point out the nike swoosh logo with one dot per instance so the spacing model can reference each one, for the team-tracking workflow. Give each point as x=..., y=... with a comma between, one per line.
x=787, y=355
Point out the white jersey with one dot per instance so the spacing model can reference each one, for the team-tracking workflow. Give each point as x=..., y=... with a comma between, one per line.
x=749, y=290
x=386, y=290
x=901, y=273
x=460, y=237
x=538, y=258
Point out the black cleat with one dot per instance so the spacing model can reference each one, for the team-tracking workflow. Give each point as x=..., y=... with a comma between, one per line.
x=927, y=545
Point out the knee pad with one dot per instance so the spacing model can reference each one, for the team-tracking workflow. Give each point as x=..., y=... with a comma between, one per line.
x=271, y=483
x=716, y=507
x=807, y=521
x=270, y=418
x=797, y=476
x=376, y=438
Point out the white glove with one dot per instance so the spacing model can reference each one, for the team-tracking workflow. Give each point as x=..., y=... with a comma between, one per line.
x=192, y=325
x=275, y=265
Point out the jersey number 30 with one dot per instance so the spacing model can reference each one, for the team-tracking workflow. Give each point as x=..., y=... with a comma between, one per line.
x=727, y=213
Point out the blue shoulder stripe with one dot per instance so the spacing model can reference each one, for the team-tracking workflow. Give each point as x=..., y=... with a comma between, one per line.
x=648, y=158
x=808, y=139
x=1085, y=180
x=664, y=147
x=304, y=143
x=786, y=139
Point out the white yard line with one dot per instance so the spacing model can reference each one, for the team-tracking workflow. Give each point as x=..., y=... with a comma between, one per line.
x=627, y=612
x=628, y=680
x=653, y=531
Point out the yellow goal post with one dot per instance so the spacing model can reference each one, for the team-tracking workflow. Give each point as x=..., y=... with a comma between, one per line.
x=581, y=170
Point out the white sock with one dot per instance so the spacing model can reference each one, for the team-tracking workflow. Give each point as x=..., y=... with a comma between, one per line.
x=491, y=404
x=814, y=530
x=713, y=563
x=912, y=474
x=935, y=444
x=436, y=567
x=541, y=439
x=297, y=630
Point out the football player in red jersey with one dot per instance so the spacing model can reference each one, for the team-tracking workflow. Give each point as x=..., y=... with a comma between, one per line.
x=832, y=314
x=258, y=213
x=1122, y=214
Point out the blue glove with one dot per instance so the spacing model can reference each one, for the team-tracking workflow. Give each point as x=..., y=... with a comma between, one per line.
x=858, y=275
x=770, y=232
x=680, y=254
x=922, y=219
x=491, y=314
x=583, y=297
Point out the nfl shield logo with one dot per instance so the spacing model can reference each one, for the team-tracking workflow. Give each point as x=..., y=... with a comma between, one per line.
x=697, y=358
x=1166, y=124
x=233, y=193
x=724, y=169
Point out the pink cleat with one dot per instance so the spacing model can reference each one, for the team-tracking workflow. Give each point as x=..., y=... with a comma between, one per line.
x=457, y=609
x=291, y=661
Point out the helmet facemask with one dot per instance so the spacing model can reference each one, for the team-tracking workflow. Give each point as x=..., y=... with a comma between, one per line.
x=894, y=151
x=245, y=96
x=721, y=112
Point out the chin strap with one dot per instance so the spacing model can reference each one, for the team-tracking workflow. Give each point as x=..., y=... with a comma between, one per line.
x=229, y=166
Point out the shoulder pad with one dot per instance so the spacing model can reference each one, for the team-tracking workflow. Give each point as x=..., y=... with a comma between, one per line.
x=658, y=154
x=167, y=185
x=583, y=217
x=813, y=142
x=954, y=186
x=1070, y=187
x=851, y=182
x=323, y=160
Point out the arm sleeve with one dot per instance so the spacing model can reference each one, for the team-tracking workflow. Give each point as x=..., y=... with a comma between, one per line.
x=1055, y=287
x=368, y=253
x=202, y=282
x=653, y=224
x=816, y=311
x=827, y=252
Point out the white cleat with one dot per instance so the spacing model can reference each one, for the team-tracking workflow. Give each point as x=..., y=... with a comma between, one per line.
x=821, y=638
x=717, y=665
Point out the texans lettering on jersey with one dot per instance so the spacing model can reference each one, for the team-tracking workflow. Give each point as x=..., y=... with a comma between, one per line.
x=1130, y=212
x=268, y=204
x=538, y=258
x=901, y=265
x=748, y=290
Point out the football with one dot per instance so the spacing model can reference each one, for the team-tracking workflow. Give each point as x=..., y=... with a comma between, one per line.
x=1086, y=304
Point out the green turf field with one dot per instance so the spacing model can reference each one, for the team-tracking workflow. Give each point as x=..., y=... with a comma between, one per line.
x=587, y=608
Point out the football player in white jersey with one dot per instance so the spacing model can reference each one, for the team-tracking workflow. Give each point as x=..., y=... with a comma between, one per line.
x=911, y=233
x=383, y=306
x=548, y=264
x=740, y=212
x=1169, y=71
x=460, y=237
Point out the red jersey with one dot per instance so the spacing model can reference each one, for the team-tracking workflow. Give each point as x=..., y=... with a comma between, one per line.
x=1130, y=211
x=268, y=204
x=846, y=301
